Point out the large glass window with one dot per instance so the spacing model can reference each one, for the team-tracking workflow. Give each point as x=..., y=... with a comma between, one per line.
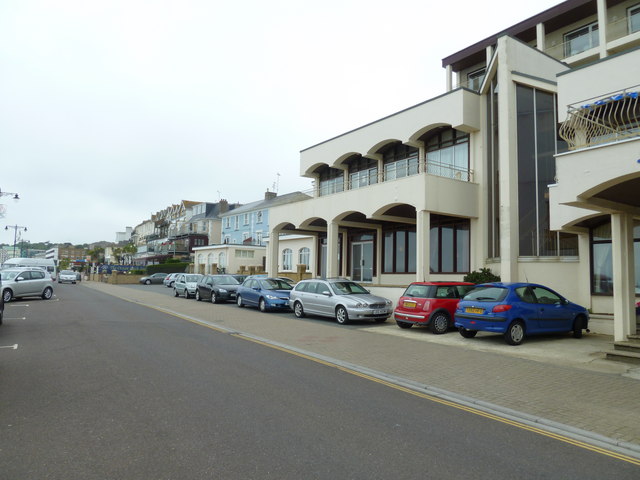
x=537, y=145
x=303, y=257
x=493, y=172
x=634, y=19
x=449, y=244
x=582, y=39
x=448, y=154
x=362, y=172
x=287, y=259
x=331, y=181
x=399, y=251
x=601, y=259
x=399, y=161
x=475, y=79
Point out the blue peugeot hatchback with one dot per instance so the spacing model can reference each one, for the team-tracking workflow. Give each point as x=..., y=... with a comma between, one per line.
x=517, y=310
x=264, y=293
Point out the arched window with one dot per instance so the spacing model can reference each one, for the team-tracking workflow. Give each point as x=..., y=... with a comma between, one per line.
x=222, y=260
x=303, y=257
x=287, y=259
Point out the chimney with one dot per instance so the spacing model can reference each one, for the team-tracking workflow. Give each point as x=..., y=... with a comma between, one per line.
x=270, y=195
x=223, y=206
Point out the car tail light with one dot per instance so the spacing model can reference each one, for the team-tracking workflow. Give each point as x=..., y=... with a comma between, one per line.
x=501, y=308
x=427, y=306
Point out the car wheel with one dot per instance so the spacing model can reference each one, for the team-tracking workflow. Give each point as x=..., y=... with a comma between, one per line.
x=239, y=301
x=298, y=311
x=7, y=295
x=214, y=299
x=578, y=325
x=47, y=294
x=467, y=333
x=342, y=317
x=439, y=323
x=404, y=324
x=198, y=296
x=171, y=284
x=175, y=292
x=262, y=305
x=186, y=294
x=515, y=333
x=148, y=282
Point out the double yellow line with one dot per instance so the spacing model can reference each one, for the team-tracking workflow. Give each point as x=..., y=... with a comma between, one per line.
x=426, y=396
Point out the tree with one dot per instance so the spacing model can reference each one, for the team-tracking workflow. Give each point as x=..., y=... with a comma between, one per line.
x=96, y=255
x=129, y=250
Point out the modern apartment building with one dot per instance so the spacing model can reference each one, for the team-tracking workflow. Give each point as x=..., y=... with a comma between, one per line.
x=528, y=164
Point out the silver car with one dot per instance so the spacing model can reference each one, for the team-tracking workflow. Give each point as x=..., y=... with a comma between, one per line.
x=67, y=276
x=26, y=282
x=186, y=284
x=341, y=299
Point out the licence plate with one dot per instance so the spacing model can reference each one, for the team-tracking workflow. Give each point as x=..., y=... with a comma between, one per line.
x=409, y=304
x=473, y=310
x=379, y=312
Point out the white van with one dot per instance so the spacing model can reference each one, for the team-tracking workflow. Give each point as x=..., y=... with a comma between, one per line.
x=47, y=264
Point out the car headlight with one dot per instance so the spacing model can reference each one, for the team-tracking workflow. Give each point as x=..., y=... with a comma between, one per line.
x=361, y=305
x=271, y=297
x=388, y=302
x=222, y=290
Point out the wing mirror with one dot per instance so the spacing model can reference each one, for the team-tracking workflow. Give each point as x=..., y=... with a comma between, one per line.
x=326, y=293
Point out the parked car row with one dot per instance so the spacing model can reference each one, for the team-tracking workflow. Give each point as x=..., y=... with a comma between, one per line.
x=514, y=310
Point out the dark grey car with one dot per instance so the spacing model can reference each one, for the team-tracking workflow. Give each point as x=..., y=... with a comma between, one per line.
x=217, y=288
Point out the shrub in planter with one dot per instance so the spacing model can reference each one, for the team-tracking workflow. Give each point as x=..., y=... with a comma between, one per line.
x=485, y=275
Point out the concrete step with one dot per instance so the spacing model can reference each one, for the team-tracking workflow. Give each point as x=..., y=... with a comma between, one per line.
x=623, y=356
x=628, y=346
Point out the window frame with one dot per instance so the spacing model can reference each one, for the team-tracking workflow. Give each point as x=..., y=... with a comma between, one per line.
x=287, y=259
x=590, y=28
x=631, y=11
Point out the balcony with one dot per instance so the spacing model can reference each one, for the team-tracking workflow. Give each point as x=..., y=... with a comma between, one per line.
x=398, y=171
x=607, y=119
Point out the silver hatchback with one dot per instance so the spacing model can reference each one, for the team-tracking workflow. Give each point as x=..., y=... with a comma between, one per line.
x=26, y=282
x=186, y=284
x=341, y=299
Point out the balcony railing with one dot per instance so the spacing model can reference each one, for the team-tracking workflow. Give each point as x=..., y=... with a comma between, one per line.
x=423, y=168
x=607, y=119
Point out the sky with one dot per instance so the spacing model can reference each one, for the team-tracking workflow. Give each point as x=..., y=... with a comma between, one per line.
x=111, y=111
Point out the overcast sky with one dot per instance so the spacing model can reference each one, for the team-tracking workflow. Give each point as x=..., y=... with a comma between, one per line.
x=113, y=110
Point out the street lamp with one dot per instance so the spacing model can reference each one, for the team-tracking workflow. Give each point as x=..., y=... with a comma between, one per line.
x=14, y=195
x=15, y=234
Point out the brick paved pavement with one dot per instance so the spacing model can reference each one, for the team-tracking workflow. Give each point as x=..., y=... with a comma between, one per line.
x=556, y=380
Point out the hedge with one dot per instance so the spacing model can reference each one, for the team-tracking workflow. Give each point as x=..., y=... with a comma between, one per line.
x=167, y=268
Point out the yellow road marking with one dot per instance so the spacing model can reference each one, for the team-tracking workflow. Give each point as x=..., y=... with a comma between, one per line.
x=472, y=410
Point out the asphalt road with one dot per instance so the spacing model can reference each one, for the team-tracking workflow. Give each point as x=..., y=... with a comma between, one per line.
x=100, y=388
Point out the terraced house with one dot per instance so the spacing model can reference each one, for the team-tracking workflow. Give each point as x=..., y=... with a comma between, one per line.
x=528, y=164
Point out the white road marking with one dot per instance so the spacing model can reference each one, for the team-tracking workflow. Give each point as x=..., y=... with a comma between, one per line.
x=14, y=347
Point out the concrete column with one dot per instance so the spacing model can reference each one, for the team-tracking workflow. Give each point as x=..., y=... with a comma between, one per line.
x=423, y=258
x=508, y=155
x=422, y=158
x=602, y=27
x=489, y=55
x=624, y=319
x=332, y=249
x=540, y=37
x=273, y=253
x=449, y=73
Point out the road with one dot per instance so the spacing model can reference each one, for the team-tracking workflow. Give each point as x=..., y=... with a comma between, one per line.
x=103, y=388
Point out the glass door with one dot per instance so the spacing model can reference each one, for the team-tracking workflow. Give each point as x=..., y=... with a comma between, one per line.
x=362, y=261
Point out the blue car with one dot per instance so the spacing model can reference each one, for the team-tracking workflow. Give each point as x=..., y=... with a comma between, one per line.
x=517, y=310
x=264, y=293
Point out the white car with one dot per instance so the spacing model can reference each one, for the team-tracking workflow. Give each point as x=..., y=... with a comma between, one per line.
x=67, y=276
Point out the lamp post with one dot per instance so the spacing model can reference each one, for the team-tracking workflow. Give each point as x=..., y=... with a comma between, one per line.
x=15, y=234
x=13, y=194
